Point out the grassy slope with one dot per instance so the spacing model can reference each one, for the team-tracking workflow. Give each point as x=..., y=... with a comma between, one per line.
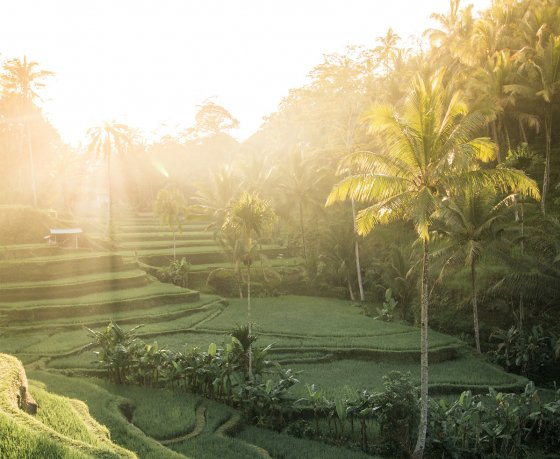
x=105, y=407
x=62, y=428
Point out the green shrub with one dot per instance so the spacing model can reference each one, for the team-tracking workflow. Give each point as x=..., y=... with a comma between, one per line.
x=530, y=353
x=265, y=281
x=387, y=312
x=176, y=272
x=493, y=425
x=224, y=282
x=397, y=413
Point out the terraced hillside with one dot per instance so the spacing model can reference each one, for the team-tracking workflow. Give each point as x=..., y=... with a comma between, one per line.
x=48, y=296
x=143, y=237
x=331, y=341
x=45, y=301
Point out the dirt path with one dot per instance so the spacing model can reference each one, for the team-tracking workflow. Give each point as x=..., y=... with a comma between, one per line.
x=232, y=424
x=198, y=427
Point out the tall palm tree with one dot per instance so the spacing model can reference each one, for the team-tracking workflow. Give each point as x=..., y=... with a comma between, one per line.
x=23, y=79
x=212, y=198
x=105, y=141
x=468, y=223
x=489, y=82
x=449, y=42
x=430, y=150
x=300, y=182
x=249, y=217
x=540, y=75
x=171, y=207
x=387, y=50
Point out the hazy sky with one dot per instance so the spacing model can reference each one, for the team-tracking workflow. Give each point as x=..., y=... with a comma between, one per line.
x=148, y=62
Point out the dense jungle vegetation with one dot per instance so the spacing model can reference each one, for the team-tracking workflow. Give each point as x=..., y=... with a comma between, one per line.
x=419, y=188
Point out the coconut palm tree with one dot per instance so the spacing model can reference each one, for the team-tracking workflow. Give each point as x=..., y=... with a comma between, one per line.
x=540, y=81
x=23, y=79
x=300, y=183
x=171, y=208
x=249, y=217
x=105, y=141
x=430, y=151
x=469, y=224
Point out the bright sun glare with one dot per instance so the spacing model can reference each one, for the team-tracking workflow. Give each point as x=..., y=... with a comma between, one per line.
x=149, y=64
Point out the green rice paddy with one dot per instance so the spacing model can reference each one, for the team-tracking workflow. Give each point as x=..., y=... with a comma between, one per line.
x=330, y=342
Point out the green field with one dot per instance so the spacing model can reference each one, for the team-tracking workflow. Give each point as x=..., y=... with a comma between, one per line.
x=329, y=342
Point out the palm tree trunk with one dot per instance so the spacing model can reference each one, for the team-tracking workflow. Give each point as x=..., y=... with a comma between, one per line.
x=110, y=229
x=31, y=164
x=249, y=327
x=350, y=289
x=522, y=218
x=475, y=308
x=546, y=178
x=523, y=133
x=302, y=226
x=357, y=251
x=423, y=425
x=495, y=136
x=20, y=180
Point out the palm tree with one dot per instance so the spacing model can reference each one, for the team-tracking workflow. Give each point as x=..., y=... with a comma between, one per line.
x=249, y=217
x=430, y=151
x=542, y=82
x=490, y=81
x=213, y=198
x=468, y=223
x=300, y=182
x=171, y=207
x=387, y=50
x=23, y=80
x=450, y=42
x=105, y=141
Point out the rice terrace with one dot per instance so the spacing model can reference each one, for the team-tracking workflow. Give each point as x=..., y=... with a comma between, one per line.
x=289, y=230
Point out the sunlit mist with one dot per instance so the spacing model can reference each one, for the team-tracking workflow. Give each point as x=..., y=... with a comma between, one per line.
x=149, y=63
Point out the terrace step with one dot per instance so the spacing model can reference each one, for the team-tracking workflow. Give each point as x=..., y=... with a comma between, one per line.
x=165, y=236
x=10, y=252
x=71, y=286
x=129, y=299
x=50, y=268
x=155, y=315
x=202, y=257
x=165, y=244
x=157, y=228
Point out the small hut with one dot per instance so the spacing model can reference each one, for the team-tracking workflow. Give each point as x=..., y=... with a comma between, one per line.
x=65, y=237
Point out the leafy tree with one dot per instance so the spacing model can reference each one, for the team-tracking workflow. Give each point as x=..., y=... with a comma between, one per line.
x=171, y=207
x=430, y=150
